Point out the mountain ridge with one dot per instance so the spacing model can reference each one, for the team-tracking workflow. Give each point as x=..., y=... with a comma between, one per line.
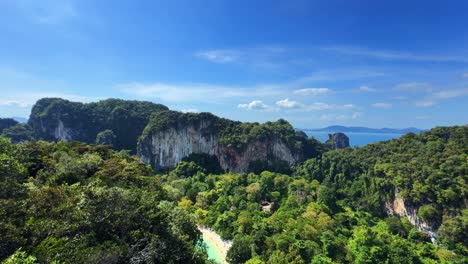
x=361, y=129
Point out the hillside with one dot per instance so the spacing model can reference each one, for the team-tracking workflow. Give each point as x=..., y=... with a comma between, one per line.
x=389, y=202
x=162, y=138
x=75, y=203
x=401, y=201
x=354, y=129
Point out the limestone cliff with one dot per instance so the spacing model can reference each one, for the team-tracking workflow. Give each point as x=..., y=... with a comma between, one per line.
x=171, y=136
x=399, y=207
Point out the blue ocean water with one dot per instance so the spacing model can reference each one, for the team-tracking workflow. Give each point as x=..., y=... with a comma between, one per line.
x=355, y=139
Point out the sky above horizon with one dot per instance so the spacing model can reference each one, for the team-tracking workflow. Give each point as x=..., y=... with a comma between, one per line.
x=314, y=63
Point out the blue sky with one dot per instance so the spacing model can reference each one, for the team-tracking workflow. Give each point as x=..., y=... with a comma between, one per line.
x=314, y=63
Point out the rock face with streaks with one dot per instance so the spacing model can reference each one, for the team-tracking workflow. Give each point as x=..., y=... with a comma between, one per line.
x=170, y=136
x=399, y=207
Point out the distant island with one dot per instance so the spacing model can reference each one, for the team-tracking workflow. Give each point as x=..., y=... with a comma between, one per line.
x=354, y=129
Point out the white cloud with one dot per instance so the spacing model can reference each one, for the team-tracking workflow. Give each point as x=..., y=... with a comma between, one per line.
x=286, y=103
x=465, y=75
x=219, y=56
x=394, y=55
x=366, y=89
x=356, y=115
x=255, y=105
x=312, y=91
x=382, y=105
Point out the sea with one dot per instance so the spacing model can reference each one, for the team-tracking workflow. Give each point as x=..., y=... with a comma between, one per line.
x=212, y=251
x=355, y=138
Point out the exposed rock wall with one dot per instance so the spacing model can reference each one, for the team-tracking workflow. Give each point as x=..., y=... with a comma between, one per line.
x=164, y=148
x=399, y=207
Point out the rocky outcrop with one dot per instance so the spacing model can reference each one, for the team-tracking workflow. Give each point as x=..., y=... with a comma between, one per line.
x=399, y=207
x=173, y=136
x=338, y=140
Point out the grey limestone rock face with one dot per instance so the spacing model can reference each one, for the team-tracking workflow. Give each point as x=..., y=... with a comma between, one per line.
x=165, y=148
x=174, y=136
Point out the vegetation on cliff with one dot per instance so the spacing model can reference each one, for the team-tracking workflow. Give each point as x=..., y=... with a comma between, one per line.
x=7, y=123
x=75, y=203
x=125, y=119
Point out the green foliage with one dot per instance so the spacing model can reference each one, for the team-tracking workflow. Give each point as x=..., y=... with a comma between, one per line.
x=240, y=251
x=209, y=163
x=427, y=212
x=20, y=257
x=88, y=204
x=7, y=123
x=70, y=202
x=18, y=133
x=106, y=137
x=331, y=209
x=126, y=119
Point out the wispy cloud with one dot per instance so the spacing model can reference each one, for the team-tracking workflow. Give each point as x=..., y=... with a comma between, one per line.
x=366, y=89
x=341, y=117
x=423, y=117
x=257, y=57
x=196, y=92
x=220, y=56
x=49, y=12
x=312, y=91
x=394, y=55
x=465, y=75
x=382, y=105
x=437, y=96
x=28, y=99
x=414, y=86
